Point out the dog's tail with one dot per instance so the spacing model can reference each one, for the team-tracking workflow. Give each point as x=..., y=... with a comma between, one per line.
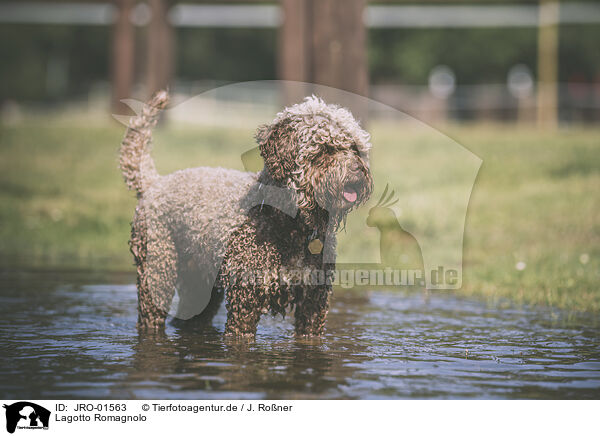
x=135, y=161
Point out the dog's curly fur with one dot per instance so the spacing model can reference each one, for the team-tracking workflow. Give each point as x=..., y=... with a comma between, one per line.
x=203, y=230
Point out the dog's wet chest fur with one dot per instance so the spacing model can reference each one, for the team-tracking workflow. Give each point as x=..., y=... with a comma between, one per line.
x=275, y=246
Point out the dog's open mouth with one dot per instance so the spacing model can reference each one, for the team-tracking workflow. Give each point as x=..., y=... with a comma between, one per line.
x=350, y=194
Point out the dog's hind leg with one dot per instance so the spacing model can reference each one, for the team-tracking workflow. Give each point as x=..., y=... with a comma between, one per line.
x=156, y=259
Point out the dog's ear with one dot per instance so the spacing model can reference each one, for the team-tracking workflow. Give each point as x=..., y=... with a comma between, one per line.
x=276, y=143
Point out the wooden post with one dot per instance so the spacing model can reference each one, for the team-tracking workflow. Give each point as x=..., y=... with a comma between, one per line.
x=547, y=93
x=123, y=56
x=159, y=48
x=294, y=39
x=294, y=48
x=339, y=45
x=324, y=42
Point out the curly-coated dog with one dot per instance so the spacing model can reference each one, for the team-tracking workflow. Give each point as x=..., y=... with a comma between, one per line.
x=266, y=240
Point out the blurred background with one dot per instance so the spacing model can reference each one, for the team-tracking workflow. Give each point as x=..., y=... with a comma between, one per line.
x=535, y=62
x=515, y=82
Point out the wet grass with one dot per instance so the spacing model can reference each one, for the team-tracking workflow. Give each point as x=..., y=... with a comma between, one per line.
x=535, y=202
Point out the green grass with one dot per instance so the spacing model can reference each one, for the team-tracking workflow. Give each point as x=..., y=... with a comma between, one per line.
x=63, y=203
x=536, y=202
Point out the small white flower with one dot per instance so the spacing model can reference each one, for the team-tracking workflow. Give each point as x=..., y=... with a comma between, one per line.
x=520, y=266
x=584, y=258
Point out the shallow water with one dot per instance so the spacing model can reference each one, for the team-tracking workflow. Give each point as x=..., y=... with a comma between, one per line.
x=61, y=337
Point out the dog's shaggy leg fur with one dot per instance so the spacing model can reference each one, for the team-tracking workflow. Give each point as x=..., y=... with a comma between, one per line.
x=243, y=275
x=156, y=260
x=311, y=312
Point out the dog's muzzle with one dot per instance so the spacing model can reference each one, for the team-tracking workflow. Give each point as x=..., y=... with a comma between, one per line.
x=355, y=190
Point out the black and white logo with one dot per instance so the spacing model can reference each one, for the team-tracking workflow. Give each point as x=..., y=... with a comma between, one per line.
x=26, y=415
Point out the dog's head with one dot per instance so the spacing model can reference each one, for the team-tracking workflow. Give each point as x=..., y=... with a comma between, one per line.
x=320, y=152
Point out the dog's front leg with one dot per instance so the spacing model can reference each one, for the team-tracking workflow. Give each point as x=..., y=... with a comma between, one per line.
x=243, y=311
x=311, y=311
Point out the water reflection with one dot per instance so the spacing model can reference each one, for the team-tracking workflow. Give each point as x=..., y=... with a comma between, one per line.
x=62, y=338
x=197, y=357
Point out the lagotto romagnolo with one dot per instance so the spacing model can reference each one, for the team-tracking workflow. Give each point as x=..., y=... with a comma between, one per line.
x=214, y=232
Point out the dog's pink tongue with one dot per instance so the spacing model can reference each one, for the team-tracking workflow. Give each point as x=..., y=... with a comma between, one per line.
x=350, y=195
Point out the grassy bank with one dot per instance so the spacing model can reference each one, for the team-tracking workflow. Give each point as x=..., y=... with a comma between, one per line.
x=532, y=233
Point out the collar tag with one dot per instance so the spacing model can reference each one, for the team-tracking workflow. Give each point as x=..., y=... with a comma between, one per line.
x=315, y=246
